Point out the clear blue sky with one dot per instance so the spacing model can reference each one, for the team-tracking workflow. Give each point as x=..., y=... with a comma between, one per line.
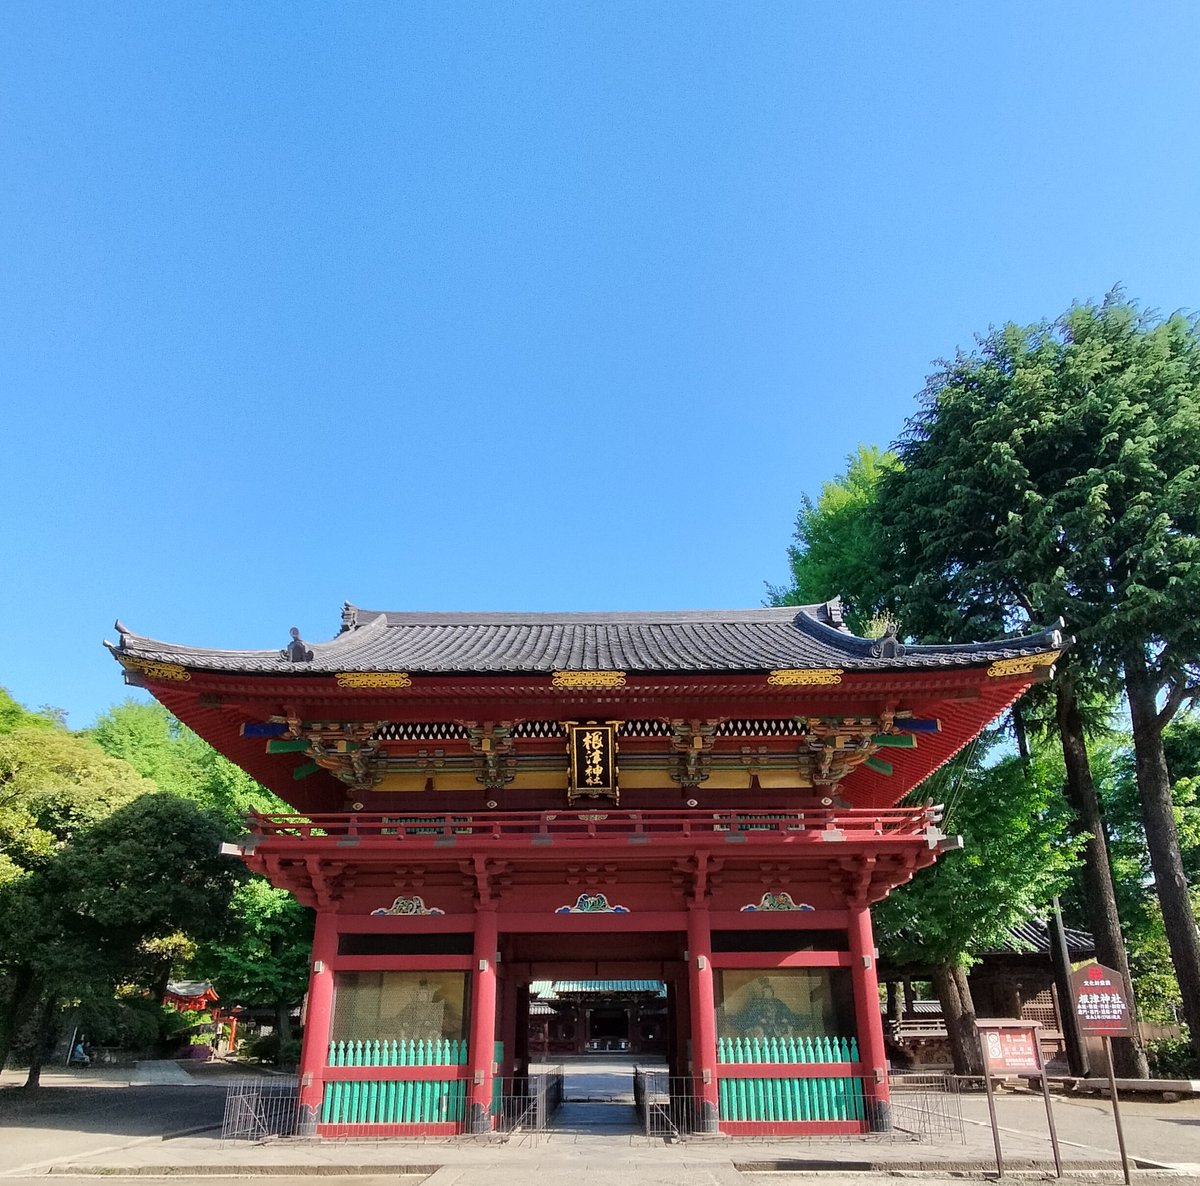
x=519, y=306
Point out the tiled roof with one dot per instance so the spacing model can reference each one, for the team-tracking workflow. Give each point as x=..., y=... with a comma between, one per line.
x=747, y=640
x=1034, y=937
x=190, y=988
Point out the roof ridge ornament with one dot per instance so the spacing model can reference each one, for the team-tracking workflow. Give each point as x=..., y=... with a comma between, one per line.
x=832, y=613
x=349, y=617
x=296, y=651
x=889, y=646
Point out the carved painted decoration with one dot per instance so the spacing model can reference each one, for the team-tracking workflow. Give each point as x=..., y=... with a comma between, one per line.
x=373, y=679
x=409, y=906
x=1023, y=665
x=808, y=677
x=779, y=901
x=592, y=904
x=588, y=679
x=154, y=670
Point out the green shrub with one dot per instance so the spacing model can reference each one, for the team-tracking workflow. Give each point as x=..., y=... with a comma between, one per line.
x=1172, y=1058
x=265, y=1048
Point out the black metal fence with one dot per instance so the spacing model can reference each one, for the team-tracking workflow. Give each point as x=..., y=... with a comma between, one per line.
x=666, y=1104
x=923, y=1108
x=258, y=1108
x=927, y=1107
x=527, y=1103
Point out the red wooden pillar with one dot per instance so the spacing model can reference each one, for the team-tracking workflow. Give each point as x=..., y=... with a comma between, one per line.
x=483, y=1020
x=704, y=1018
x=318, y=1021
x=871, y=1049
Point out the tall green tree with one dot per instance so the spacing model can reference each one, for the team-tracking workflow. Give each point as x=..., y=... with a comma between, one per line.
x=1053, y=471
x=162, y=749
x=262, y=957
x=835, y=549
x=107, y=909
x=1013, y=861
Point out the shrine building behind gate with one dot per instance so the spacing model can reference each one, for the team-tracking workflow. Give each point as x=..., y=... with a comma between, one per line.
x=710, y=801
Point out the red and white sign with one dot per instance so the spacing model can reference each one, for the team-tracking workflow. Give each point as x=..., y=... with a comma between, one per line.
x=1100, y=1003
x=1010, y=1047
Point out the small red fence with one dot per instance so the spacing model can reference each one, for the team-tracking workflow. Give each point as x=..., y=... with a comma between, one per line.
x=589, y=827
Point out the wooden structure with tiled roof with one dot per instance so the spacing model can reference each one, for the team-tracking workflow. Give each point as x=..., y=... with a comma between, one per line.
x=706, y=798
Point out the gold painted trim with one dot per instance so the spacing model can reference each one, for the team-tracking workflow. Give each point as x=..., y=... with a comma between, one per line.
x=812, y=677
x=152, y=669
x=1022, y=665
x=588, y=679
x=373, y=679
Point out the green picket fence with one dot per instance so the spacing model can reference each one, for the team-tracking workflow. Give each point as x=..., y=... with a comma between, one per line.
x=395, y=1052
x=395, y=1101
x=811, y=1097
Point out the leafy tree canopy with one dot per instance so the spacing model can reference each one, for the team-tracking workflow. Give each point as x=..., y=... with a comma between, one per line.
x=1054, y=471
x=53, y=786
x=162, y=749
x=836, y=549
x=262, y=959
x=1014, y=859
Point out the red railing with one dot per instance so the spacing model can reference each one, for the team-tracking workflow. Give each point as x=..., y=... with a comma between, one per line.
x=554, y=827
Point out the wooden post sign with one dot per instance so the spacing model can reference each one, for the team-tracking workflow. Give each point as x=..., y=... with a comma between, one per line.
x=1101, y=1003
x=1011, y=1048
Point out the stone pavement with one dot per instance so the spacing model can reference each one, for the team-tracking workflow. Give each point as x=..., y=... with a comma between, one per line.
x=94, y=1122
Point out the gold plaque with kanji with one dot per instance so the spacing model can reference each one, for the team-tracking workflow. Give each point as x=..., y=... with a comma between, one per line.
x=593, y=751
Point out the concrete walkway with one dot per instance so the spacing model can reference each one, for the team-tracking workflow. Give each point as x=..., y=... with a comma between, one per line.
x=104, y=1127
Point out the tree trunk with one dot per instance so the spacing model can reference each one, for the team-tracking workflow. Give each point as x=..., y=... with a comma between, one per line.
x=1162, y=838
x=283, y=1022
x=45, y=1029
x=959, y=1015
x=14, y=1009
x=1078, y=1061
x=1020, y=732
x=1103, y=920
x=968, y=1021
x=895, y=1004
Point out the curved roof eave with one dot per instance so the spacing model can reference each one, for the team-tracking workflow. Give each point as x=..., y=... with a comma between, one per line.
x=648, y=642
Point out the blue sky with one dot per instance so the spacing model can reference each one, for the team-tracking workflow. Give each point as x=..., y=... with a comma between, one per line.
x=519, y=306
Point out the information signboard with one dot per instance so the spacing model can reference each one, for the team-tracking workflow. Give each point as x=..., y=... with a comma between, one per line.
x=1099, y=1000
x=1011, y=1047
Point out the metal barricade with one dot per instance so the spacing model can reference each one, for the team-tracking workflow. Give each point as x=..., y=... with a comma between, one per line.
x=527, y=1103
x=259, y=1108
x=666, y=1104
x=927, y=1107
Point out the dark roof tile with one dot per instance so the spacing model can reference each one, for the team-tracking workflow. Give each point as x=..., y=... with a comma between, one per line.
x=760, y=639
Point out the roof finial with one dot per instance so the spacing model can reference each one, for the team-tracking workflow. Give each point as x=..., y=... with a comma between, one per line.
x=349, y=617
x=296, y=651
x=889, y=645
